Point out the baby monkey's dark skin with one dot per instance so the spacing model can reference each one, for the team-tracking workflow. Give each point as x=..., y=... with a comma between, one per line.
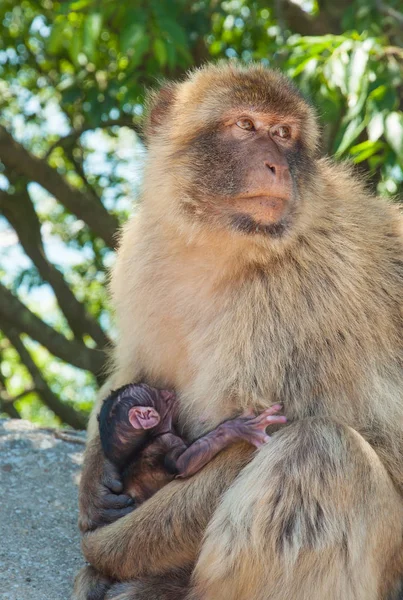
x=139, y=438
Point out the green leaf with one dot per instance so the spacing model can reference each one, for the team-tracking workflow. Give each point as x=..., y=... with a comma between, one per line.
x=365, y=150
x=309, y=64
x=356, y=103
x=71, y=94
x=91, y=33
x=375, y=127
x=335, y=72
x=160, y=52
x=216, y=47
x=356, y=72
x=171, y=55
x=132, y=36
x=140, y=49
x=75, y=46
x=175, y=31
x=351, y=133
x=323, y=41
x=383, y=97
x=56, y=39
x=394, y=132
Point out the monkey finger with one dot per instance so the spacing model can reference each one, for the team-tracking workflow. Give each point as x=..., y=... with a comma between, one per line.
x=258, y=426
x=259, y=440
x=261, y=423
x=114, y=485
x=110, y=515
x=264, y=420
x=115, y=501
x=111, y=478
x=275, y=419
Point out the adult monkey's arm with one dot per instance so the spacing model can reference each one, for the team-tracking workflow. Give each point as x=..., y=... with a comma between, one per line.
x=100, y=497
x=166, y=531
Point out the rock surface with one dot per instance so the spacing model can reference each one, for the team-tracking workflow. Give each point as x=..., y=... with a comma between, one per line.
x=40, y=543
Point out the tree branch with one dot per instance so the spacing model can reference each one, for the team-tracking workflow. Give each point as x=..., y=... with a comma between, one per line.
x=20, y=212
x=389, y=11
x=302, y=22
x=6, y=403
x=326, y=21
x=70, y=138
x=66, y=413
x=84, y=205
x=13, y=311
x=11, y=399
x=8, y=408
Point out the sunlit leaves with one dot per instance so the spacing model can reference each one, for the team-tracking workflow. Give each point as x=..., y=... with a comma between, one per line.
x=366, y=150
x=353, y=80
x=357, y=78
x=394, y=132
x=134, y=35
x=91, y=32
x=375, y=127
x=350, y=133
x=160, y=52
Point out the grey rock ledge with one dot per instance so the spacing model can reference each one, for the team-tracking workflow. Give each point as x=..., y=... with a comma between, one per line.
x=40, y=542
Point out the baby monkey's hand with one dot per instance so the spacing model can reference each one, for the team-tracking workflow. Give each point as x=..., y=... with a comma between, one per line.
x=252, y=428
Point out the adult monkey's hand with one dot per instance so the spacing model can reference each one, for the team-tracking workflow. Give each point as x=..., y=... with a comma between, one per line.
x=166, y=531
x=100, y=499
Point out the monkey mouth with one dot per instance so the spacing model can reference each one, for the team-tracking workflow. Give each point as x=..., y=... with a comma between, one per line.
x=270, y=216
x=267, y=215
x=263, y=209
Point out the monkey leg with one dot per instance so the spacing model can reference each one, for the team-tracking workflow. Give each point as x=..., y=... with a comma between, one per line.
x=314, y=515
x=90, y=585
x=171, y=586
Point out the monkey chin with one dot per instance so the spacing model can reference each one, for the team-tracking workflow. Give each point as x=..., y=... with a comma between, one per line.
x=246, y=224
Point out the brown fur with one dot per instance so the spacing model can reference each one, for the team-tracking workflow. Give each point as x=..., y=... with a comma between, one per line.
x=172, y=586
x=312, y=319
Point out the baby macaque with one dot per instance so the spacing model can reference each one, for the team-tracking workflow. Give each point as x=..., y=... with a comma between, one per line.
x=138, y=436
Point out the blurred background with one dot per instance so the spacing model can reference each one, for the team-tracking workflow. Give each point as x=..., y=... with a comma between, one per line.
x=72, y=81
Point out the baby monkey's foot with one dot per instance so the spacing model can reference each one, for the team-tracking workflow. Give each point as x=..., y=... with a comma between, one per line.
x=252, y=428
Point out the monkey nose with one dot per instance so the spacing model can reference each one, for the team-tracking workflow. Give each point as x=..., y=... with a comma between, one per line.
x=278, y=169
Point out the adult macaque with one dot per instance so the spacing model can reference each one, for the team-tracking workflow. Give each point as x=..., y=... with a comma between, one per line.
x=138, y=436
x=257, y=273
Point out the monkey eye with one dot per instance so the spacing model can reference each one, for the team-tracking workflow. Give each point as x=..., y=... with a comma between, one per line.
x=282, y=131
x=246, y=124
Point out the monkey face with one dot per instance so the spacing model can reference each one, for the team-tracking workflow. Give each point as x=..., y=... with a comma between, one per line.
x=240, y=145
x=128, y=415
x=247, y=172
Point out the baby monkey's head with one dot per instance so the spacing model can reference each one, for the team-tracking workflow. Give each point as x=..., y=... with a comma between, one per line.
x=128, y=417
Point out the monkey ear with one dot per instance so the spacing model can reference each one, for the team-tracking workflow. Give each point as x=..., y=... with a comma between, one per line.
x=158, y=106
x=143, y=417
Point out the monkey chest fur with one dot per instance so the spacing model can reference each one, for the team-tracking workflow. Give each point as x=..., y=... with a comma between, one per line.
x=264, y=338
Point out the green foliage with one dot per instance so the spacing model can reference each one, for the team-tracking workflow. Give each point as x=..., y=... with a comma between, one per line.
x=73, y=76
x=355, y=80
